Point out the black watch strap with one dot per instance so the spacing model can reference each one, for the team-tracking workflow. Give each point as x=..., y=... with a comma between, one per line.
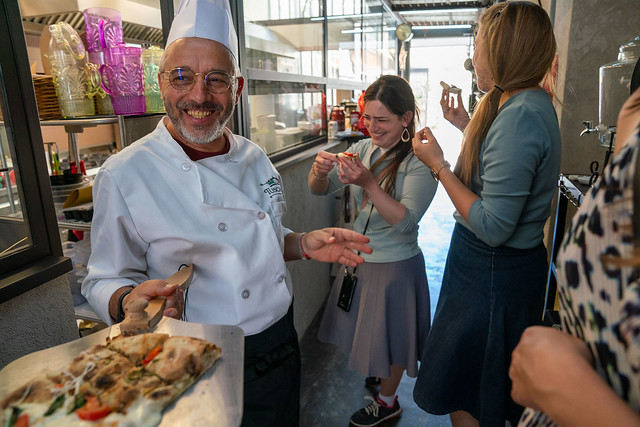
x=120, y=314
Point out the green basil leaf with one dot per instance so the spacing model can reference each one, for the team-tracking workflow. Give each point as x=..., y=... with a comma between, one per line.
x=55, y=405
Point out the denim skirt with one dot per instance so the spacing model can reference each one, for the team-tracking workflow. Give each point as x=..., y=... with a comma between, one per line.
x=488, y=297
x=389, y=319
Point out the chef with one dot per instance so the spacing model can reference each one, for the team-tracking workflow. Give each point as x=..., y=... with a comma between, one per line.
x=193, y=192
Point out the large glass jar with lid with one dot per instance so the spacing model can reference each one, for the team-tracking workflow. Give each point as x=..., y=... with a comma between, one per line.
x=615, y=80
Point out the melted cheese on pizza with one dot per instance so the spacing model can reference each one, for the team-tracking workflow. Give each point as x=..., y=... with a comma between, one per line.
x=135, y=393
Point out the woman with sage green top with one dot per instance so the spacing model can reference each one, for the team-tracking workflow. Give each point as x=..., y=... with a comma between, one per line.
x=388, y=322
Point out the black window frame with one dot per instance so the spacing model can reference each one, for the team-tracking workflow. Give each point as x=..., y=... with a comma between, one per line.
x=43, y=259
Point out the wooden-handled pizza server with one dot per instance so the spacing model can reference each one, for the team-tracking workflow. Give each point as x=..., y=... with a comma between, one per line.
x=143, y=315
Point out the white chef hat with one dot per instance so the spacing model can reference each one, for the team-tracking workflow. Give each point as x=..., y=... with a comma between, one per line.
x=207, y=19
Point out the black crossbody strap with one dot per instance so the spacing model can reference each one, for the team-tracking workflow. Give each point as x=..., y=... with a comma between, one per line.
x=363, y=232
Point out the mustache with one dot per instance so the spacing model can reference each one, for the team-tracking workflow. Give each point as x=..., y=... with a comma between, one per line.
x=208, y=105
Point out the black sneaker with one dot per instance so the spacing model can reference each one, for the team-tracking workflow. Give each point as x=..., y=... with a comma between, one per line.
x=371, y=381
x=375, y=412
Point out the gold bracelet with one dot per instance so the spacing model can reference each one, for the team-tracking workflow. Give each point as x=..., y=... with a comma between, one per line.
x=435, y=173
x=318, y=177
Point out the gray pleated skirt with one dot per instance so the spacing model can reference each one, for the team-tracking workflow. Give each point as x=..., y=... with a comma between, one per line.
x=389, y=318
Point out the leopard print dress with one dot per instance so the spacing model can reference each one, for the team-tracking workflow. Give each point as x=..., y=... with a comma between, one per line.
x=599, y=302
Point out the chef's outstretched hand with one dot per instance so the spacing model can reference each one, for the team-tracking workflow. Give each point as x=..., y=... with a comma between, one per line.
x=158, y=287
x=336, y=245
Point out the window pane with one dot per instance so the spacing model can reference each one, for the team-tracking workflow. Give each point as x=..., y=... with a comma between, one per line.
x=15, y=234
x=344, y=53
x=286, y=114
x=284, y=36
x=388, y=48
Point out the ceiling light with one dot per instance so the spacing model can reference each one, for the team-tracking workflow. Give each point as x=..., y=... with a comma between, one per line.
x=442, y=27
x=437, y=11
x=356, y=15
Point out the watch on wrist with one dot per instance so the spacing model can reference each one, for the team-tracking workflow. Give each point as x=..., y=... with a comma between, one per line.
x=120, y=315
x=435, y=171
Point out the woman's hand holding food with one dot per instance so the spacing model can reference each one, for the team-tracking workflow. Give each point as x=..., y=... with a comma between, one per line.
x=323, y=163
x=352, y=171
x=427, y=149
x=453, y=110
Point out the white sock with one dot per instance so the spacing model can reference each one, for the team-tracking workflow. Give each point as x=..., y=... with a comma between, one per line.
x=388, y=400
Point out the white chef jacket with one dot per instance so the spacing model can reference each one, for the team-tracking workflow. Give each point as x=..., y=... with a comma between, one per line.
x=156, y=209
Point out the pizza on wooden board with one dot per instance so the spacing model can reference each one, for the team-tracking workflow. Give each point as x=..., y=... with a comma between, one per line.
x=126, y=382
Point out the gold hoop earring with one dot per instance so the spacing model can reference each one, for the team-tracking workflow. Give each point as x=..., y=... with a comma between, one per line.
x=405, y=138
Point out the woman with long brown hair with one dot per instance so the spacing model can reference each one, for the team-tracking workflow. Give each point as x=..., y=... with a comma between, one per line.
x=504, y=180
x=387, y=324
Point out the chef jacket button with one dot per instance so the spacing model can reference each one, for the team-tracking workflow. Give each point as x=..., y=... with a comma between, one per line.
x=245, y=294
x=281, y=278
x=222, y=226
x=185, y=166
x=261, y=215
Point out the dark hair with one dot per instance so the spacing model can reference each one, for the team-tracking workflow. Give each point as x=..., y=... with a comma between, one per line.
x=394, y=93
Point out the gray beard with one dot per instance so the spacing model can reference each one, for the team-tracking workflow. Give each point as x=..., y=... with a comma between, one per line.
x=199, y=136
x=202, y=137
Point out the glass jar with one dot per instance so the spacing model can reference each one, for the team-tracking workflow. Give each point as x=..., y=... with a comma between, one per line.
x=151, y=63
x=338, y=116
x=615, y=80
x=71, y=75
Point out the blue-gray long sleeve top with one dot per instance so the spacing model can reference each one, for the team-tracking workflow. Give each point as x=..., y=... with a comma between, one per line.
x=519, y=164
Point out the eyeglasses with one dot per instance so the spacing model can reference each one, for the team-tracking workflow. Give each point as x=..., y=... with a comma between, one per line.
x=183, y=79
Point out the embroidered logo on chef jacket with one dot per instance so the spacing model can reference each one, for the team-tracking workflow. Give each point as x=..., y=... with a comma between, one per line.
x=273, y=187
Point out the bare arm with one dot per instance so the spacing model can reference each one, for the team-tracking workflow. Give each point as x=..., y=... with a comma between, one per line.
x=551, y=372
x=431, y=155
x=628, y=120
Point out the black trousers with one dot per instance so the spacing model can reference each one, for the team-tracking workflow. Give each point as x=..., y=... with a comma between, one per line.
x=272, y=376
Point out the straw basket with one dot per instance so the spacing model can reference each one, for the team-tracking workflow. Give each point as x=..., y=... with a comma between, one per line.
x=48, y=107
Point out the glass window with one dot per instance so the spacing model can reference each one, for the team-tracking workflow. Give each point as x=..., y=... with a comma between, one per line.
x=14, y=229
x=344, y=50
x=286, y=114
x=388, y=50
x=30, y=251
x=379, y=41
x=361, y=40
x=284, y=36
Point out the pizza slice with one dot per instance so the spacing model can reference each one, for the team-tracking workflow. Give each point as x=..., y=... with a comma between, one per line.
x=450, y=88
x=34, y=399
x=137, y=347
x=351, y=156
x=127, y=382
x=182, y=360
